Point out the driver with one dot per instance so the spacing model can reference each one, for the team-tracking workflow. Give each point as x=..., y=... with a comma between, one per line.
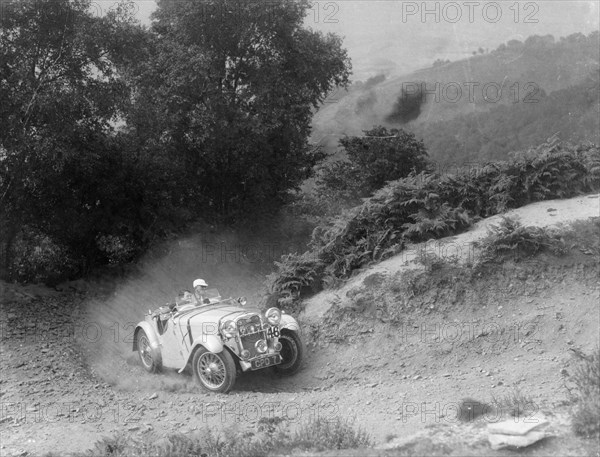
x=200, y=287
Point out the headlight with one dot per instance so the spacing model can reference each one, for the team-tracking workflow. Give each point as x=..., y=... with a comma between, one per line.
x=273, y=316
x=242, y=301
x=261, y=346
x=229, y=329
x=245, y=354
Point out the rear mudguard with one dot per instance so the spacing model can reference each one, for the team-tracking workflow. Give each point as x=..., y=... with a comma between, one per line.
x=152, y=336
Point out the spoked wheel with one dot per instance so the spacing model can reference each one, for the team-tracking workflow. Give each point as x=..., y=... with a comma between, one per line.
x=214, y=372
x=145, y=352
x=292, y=353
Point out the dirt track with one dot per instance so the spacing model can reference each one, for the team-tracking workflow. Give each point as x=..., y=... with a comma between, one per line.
x=513, y=331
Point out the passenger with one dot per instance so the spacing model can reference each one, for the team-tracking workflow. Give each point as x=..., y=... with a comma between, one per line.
x=184, y=298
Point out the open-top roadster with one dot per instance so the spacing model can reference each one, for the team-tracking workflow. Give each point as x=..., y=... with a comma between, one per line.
x=216, y=338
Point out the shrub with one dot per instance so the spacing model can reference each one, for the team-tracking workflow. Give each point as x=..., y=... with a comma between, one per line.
x=583, y=235
x=118, y=249
x=295, y=272
x=321, y=434
x=511, y=238
x=340, y=182
x=35, y=257
x=173, y=445
x=585, y=417
x=433, y=262
x=271, y=437
x=515, y=403
x=546, y=172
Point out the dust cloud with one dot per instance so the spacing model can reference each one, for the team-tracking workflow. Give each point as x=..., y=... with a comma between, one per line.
x=234, y=264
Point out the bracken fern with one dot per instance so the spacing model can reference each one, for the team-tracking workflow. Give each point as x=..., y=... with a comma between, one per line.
x=427, y=205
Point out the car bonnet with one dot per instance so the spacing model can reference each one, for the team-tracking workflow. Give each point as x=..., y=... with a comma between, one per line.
x=213, y=315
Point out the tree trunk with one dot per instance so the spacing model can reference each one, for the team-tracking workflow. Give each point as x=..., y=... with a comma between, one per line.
x=6, y=245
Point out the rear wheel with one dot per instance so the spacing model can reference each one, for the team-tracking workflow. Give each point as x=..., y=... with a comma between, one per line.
x=214, y=372
x=292, y=353
x=147, y=357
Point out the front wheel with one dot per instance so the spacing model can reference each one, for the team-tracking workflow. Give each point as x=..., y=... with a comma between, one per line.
x=149, y=361
x=292, y=353
x=214, y=372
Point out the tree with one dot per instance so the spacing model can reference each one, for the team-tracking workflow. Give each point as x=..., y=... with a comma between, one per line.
x=384, y=155
x=67, y=179
x=381, y=155
x=229, y=88
x=408, y=105
x=110, y=130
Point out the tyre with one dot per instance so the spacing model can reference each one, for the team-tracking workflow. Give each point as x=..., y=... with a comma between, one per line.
x=292, y=353
x=214, y=372
x=147, y=357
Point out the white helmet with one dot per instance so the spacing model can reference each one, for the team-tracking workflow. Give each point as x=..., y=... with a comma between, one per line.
x=200, y=282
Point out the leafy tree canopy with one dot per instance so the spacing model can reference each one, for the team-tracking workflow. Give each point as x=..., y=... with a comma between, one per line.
x=229, y=87
x=113, y=134
x=59, y=92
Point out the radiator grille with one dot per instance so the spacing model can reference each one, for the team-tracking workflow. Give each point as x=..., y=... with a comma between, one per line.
x=248, y=342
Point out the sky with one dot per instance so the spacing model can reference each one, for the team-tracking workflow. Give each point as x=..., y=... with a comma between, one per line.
x=396, y=37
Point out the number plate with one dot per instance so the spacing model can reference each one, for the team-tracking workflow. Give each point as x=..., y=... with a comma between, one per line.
x=273, y=332
x=264, y=362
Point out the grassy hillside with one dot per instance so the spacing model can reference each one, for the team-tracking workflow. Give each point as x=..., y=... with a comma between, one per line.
x=429, y=206
x=572, y=114
x=528, y=71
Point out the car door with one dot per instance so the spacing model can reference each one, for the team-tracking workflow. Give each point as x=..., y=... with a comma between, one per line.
x=172, y=354
x=183, y=337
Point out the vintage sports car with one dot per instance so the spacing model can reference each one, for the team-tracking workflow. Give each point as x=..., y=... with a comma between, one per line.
x=216, y=338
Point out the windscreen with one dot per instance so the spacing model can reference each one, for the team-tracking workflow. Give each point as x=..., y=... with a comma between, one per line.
x=211, y=294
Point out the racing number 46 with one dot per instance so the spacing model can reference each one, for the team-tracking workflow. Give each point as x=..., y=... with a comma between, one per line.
x=273, y=332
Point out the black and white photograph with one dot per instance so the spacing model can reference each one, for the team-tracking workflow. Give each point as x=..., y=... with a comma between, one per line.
x=262, y=228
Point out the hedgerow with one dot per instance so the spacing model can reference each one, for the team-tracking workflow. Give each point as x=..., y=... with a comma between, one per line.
x=430, y=205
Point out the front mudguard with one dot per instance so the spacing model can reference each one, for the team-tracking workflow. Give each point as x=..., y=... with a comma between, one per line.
x=211, y=342
x=152, y=336
x=289, y=323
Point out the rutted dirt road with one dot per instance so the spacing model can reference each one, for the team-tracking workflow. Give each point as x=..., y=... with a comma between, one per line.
x=512, y=331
